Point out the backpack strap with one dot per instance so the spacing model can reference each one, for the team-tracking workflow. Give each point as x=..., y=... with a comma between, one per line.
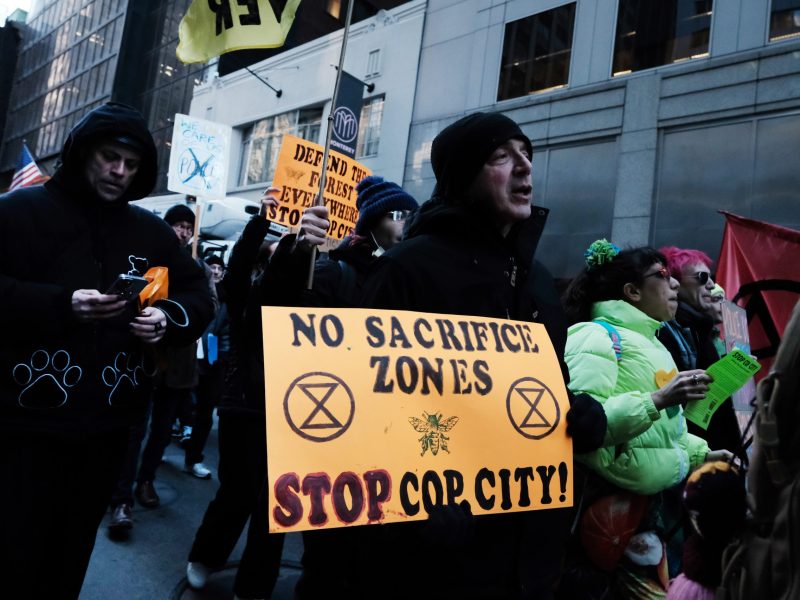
x=616, y=343
x=616, y=340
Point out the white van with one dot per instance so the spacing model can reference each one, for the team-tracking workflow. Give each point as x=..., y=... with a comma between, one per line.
x=221, y=221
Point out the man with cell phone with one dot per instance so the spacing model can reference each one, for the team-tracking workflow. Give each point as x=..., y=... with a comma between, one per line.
x=77, y=354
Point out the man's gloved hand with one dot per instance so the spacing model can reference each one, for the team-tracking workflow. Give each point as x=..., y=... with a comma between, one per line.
x=586, y=423
x=450, y=525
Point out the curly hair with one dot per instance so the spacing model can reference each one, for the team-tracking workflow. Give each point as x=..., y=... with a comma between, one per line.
x=606, y=281
x=678, y=258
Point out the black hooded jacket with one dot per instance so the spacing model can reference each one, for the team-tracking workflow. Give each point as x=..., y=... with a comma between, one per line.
x=695, y=329
x=58, y=374
x=283, y=283
x=454, y=261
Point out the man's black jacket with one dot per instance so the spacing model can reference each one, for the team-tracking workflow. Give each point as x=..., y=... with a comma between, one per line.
x=58, y=374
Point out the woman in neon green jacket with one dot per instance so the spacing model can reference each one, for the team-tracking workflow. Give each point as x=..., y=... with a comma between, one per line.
x=647, y=448
x=617, y=304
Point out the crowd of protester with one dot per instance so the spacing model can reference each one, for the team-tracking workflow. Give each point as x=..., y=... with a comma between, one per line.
x=634, y=334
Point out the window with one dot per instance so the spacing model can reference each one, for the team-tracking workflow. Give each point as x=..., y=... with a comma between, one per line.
x=262, y=142
x=369, y=127
x=536, y=53
x=784, y=20
x=651, y=33
x=374, y=63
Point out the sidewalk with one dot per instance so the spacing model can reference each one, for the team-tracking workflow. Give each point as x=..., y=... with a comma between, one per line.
x=151, y=563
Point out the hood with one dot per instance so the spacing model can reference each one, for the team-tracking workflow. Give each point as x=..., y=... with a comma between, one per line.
x=111, y=120
x=435, y=217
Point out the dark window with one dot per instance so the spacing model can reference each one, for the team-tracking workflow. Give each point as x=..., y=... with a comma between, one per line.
x=784, y=20
x=536, y=53
x=651, y=33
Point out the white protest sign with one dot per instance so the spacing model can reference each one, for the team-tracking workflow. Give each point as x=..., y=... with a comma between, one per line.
x=198, y=161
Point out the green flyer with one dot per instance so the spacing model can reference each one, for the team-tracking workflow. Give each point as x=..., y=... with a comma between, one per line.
x=730, y=373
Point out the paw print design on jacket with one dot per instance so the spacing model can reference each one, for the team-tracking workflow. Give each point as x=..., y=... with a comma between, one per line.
x=123, y=377
x=46, y=380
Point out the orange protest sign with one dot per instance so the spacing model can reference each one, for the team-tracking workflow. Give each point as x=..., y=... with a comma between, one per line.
x=297, y=175
x=377, y=416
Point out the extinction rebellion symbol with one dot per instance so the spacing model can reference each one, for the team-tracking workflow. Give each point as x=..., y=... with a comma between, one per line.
x=319, y=406
x=532, y=408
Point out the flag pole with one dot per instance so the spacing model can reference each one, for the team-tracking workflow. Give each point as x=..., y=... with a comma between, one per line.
x=320, y=199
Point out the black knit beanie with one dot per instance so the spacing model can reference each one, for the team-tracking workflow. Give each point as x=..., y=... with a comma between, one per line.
x=376, y=197
x=215, y=259
x=179, y=212
x=460, y=150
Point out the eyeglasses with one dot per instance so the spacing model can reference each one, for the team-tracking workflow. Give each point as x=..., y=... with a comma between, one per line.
x=702, y=277
x=398, y=215
x=662, y=273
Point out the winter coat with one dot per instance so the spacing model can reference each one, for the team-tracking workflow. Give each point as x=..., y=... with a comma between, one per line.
x=697, y=331
x=59, y=374
x=241, y=300
x=645, y=450
x=452, y=261
x=283, y=283
x=338, y=277
x=180, y=367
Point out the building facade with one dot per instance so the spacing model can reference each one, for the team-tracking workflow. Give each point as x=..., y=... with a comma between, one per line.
x=77, y=54
x=10, y=38
x=647, y=116
x=382, y=51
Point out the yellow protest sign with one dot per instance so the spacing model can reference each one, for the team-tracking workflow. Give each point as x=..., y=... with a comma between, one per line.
x=297, y=175
x=212, y=27
x=377, y=416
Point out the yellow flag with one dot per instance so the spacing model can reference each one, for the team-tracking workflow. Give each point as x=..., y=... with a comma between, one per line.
x=212, y=27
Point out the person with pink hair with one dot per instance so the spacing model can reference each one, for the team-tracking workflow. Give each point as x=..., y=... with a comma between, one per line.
x=690, y=336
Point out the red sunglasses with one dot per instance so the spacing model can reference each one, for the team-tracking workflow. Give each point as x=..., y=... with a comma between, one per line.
x=662, y=273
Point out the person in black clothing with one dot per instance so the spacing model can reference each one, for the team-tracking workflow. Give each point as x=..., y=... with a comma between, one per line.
x=76, y=362
x=211, y=372
x=242, y=492
x=172, y=389
x=383, y=208
x=470, y=251
x=690, y=338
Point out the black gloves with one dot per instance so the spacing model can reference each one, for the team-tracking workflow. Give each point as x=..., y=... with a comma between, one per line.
x=450, y=525
x=586, y=423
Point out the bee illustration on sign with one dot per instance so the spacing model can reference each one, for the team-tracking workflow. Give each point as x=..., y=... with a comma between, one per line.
x=294, y=174
x=433, y=428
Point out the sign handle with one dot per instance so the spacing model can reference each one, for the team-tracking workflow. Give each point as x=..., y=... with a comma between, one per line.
x=320, y=199
x=198, y=212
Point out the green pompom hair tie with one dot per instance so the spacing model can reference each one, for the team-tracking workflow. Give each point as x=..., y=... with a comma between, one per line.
x=600, y=253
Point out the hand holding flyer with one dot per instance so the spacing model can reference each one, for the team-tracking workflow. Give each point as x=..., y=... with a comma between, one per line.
x=730, y=373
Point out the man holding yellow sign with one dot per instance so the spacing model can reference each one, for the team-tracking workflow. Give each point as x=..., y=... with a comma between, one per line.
x=439, y=417
x=470, y=251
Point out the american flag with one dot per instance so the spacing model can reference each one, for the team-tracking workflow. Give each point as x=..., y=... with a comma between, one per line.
x=27, y=172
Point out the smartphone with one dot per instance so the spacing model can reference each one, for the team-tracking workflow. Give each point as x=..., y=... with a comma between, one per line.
x=127, y=286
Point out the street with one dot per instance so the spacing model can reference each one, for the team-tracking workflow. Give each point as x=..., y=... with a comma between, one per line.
x=151, y=563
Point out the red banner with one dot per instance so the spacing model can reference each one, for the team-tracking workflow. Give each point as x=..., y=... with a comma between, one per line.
x=759, y=267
